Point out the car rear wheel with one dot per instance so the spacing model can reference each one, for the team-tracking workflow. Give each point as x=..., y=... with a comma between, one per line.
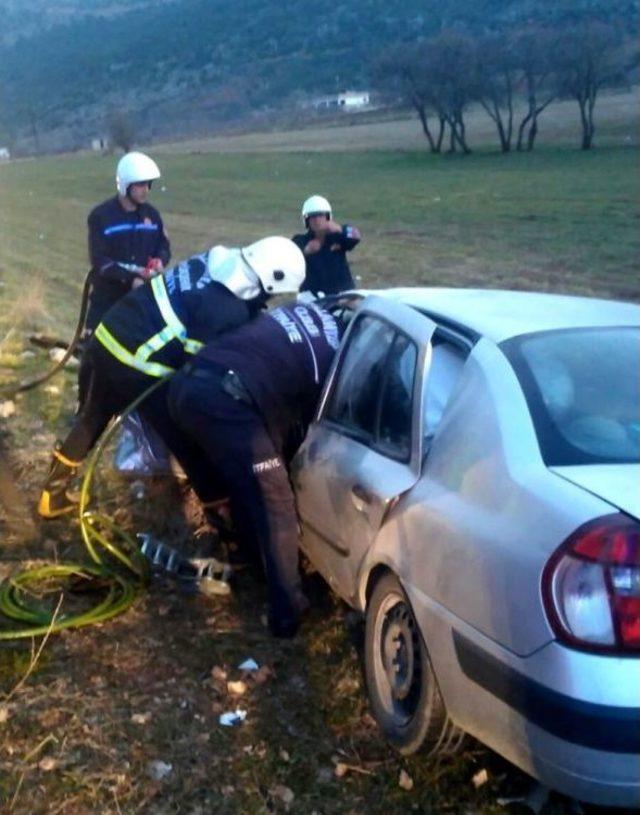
x=404, y=695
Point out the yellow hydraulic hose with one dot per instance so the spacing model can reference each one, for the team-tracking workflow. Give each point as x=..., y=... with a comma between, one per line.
x=123, y=575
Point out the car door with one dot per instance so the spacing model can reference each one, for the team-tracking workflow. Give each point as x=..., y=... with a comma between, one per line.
x=365, y=447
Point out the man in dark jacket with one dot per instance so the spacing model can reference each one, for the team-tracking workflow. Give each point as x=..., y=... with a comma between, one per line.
x=127, y=239
x=325, y=245
x=151, y=332
x=240, y=400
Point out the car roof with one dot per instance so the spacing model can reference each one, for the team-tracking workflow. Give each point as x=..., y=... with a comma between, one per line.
x=500, y=314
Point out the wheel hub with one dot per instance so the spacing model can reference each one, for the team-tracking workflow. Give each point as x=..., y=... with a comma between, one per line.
x=398, y=652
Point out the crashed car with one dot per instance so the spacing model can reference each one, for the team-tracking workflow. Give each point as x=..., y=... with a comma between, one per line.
x=471, y=483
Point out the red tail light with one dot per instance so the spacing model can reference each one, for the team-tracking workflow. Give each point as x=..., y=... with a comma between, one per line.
x=591, y=586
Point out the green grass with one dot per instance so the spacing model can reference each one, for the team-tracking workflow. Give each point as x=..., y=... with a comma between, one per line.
x=556, y=219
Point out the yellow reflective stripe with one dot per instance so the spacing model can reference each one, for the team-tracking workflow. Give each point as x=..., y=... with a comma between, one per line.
x=172, y=320
x=66, y=461
x=155, y=343
x=126, y=357
x=192, y=346
x=166, y=309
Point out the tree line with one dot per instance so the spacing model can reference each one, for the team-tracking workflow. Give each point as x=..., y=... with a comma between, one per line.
x=440, y=77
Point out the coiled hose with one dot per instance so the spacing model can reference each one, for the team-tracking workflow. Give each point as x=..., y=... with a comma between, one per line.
x=117, y=564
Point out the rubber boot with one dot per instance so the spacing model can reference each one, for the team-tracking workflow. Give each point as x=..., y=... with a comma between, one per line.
x=56, y=499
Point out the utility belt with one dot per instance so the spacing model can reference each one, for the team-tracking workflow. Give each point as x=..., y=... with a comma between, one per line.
x=225, y=379
x=174, y=329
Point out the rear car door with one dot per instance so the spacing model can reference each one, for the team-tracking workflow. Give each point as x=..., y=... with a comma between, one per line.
x=365, y=448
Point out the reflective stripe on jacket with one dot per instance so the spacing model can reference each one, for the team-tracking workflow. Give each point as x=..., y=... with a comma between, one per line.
x=173, y=330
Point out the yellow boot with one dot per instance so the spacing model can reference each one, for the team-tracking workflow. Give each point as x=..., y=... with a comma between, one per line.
x=56, y=499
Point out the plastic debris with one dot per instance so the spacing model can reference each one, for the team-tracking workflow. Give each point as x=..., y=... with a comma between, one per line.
x=236, y=688
x=7, y=409
x=159, y=770
x=233, y=718
x=405, y=781
x=285, y=794
x=141, y=718
x=480, y=778
x=248, y=665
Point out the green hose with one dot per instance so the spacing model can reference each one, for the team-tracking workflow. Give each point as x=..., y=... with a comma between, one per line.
x=123, y=573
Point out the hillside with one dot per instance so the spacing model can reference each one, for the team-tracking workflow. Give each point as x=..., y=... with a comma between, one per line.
x=185, y=65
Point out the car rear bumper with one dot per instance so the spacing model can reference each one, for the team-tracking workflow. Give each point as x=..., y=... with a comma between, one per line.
x=568, y=718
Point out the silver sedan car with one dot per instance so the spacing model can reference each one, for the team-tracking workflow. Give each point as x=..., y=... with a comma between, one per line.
x=472, y=484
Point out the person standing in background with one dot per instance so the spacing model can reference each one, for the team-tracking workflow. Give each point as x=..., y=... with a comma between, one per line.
x=127, y=240
x=325, y=245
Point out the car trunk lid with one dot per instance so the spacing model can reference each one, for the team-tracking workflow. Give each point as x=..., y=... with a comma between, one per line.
x=618, y=484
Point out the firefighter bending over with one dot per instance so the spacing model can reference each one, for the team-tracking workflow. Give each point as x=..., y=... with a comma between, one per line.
x=151, y=332
x=243, y=400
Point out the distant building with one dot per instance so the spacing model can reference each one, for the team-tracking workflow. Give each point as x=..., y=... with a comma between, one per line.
x=349, y=100
x=100, y=144
x=5, y=155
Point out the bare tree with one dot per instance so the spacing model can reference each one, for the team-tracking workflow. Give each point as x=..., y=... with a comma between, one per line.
x=589, y=55
x=121, y=131
x=451, y=80
x=497, y=79
x=404, y=71
x=533, y=50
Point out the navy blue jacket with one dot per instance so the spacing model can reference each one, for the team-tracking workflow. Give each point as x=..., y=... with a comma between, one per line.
x=282, y=358
x=117, y=236
x=205, y=307
x=327, y=269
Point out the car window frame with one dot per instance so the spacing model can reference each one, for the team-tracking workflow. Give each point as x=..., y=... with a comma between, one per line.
x=372, y=440
x=418, y=328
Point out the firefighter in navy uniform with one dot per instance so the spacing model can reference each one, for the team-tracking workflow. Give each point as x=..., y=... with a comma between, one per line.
x=151, y=332
x=240, y=400
x=325, y=245
x=127, y=239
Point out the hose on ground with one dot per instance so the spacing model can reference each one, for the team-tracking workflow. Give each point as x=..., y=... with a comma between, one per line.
x=117, y=566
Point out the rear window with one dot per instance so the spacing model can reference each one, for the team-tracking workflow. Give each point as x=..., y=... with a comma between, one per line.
x=583, y=391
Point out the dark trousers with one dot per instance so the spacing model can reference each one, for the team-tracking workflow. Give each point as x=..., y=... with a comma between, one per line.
x=234, y=439
x=109, y=388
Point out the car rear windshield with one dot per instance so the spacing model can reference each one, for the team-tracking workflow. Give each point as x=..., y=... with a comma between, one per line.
x=583, y=391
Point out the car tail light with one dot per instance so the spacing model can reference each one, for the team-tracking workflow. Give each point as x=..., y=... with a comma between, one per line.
x=591, y=586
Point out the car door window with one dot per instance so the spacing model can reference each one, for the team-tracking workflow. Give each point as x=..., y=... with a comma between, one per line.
x=356, y=394
x=394, y=429
x=447, y=361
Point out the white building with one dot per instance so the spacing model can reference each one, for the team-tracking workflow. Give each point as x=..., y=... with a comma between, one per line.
x=349, y=100
x=100, y=144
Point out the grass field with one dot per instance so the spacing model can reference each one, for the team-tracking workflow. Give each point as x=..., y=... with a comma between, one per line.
x=102, y=703
x=556, y=219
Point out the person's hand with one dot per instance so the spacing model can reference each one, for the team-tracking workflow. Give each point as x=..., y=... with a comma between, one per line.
x=137, y=282
x=154, y=266
x=333, y=226
x=312, y=247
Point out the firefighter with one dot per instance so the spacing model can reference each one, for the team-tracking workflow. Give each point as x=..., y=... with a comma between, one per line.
x=245, y=400
x=151, y=332
x=127, y=239
x=325, y=245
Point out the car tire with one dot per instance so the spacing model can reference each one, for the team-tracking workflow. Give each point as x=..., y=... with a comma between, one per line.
x=402, y=687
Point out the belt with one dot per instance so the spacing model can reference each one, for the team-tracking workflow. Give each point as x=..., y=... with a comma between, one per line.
x=227, y=380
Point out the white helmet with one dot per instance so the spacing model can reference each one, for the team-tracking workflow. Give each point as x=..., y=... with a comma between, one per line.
x=278, y=262
x=316, y=205
x=134, y=168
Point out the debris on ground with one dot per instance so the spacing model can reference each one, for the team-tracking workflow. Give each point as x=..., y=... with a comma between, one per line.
x=233, y=718
x=480, y=778
x=405, y=781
